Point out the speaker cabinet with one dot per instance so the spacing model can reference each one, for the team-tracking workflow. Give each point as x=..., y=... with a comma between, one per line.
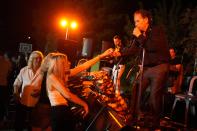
x=106, y=45
x=87, y=47
x=102, y=118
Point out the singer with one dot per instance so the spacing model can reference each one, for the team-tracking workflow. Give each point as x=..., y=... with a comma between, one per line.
x=156, y=62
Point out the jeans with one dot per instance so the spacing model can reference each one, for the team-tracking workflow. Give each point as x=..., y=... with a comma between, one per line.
x=155, y=78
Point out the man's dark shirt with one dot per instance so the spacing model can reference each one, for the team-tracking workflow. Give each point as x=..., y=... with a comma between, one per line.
x=174, y=62
x=155, y=44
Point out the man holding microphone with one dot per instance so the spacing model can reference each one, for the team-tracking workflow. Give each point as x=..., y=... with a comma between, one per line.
x=155, y=71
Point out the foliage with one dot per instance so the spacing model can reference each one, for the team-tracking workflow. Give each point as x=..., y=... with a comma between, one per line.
x=169, y=17
x=104, y=19
x=180, y=23
x=181, y=28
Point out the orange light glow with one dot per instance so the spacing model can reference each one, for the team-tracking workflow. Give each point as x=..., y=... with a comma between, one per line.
x=73, y=25
x=63, y=23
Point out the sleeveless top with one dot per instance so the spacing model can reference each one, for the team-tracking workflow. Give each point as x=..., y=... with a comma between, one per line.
x=56, y=98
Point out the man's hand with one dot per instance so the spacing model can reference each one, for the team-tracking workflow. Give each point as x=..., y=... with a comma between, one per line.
x=136, y=32
x=116, y=54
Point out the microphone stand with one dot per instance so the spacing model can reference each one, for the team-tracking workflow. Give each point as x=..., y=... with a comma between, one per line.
x=131, y=69
x=116, y=72
x=141, y=71
x=140, y=86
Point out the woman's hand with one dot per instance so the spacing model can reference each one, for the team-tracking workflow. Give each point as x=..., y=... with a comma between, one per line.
x=86, y=110
x=106, y=53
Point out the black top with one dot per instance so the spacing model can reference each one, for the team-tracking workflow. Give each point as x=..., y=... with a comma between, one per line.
x=120, y=60
x=173, y=62
x=43, y=94
x=155, y=44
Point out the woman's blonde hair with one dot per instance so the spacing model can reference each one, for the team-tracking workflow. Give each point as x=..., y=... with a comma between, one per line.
x=45, y=63
x=32, y=56
x=57, y=64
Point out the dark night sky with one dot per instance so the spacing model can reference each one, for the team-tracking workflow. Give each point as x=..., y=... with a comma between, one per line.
x=15, y=20
x=16, y=17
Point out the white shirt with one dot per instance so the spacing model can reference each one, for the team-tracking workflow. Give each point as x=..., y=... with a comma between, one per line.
x=24, y=78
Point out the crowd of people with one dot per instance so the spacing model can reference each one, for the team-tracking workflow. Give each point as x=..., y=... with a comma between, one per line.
x=40, y=87
x=40, y=91
x=5, y=70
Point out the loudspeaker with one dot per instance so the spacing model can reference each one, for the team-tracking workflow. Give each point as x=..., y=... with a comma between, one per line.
x=102, y=118
x=106, y=45
x=87, y=47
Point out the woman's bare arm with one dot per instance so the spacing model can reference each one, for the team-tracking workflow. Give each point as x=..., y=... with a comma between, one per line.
x=89, y=63
x=66, y=93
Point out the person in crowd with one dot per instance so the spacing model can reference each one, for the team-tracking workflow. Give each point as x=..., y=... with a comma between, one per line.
x=5, y=68
x=119, y=66
x=58, y=70
x=156, y=63
x=22, y=62
x=41, y=113
x=24, y=78
x=18, y=62
x=175, y=73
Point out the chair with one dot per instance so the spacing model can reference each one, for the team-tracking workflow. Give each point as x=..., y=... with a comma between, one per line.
x=187, y=98
x=80, y=62
x=177, y=83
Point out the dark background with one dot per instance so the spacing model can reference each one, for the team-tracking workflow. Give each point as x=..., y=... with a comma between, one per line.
x=21, y=18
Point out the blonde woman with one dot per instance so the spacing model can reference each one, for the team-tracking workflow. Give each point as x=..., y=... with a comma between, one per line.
x=57, y=67
x=23, y=79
